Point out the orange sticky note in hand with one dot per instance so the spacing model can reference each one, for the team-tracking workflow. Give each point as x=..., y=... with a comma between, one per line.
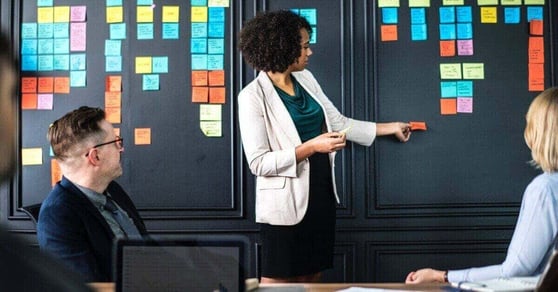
x=418, y=126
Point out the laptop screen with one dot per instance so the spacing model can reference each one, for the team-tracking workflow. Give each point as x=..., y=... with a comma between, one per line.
x=179, y=265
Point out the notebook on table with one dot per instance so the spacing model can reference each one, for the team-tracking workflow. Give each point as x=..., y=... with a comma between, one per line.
x=180, y=265
x=547, y=281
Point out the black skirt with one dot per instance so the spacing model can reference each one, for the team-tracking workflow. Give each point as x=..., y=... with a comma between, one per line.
x=307, y=247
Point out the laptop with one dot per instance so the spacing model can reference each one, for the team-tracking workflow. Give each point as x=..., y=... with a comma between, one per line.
x=547, y=281
x=184, y=264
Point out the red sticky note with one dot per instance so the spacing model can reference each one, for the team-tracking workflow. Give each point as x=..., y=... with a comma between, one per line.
x=199, y=78
x=217, y=78
x=536, y=27
x=46, y=85
x=200, y=94
x=389, y=33
x=447, y=48
x=29, y=85
x=29, y=101
x=448, y=106
x=61, y=84
x=217, y=95
x=418, y=126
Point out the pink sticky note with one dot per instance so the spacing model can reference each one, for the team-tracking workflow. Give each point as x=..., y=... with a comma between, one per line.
x=464, y=105
x=465, y=47
x=78, y=13
x=77, y=36
x=44, y=101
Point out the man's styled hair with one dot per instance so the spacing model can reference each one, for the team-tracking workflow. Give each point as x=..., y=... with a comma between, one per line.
x=541, y=131
x=73, y=128
x=271, y=41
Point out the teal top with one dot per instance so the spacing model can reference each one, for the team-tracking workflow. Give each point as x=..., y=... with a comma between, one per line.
x=306, y=113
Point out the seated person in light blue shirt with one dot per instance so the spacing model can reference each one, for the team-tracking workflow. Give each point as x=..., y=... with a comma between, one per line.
x=534, y=237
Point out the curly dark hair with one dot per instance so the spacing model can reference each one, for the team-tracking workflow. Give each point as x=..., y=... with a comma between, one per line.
x=271, y=41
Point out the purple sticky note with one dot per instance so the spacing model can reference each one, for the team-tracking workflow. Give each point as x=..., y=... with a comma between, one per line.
x=464, y=105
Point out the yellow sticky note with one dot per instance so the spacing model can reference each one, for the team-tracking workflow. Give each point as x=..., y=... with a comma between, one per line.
x=32, y=156
x=453, y=2
x=199, y=14
x=62, y=14
x=450, y=71
x=171, y=13
x=419, y=3
x=45, y=14
x=211, y=128
x=143, y=65
x=489, y=15
x=388, y=3
x=210, y=112
x=487, y=2
x=218, y=3
x=115, y=14
x=144, y=14
x=473, y=70
x=142, y=136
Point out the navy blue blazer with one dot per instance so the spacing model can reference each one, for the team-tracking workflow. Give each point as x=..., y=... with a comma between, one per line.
x=73, y=230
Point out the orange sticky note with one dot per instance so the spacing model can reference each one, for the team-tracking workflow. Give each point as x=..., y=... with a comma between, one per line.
x=418, y=126
x=536, y=27
x=29, y=101
x=536, y=77
x=447, y=48
x=113, y=99
x=55, y=172
x=46, y=85
x=199, y=78
x=217, y=78
x=61, y=84
x=536, y=50
x=389, y=33
x=217, y=95
x=29, y=85
x=113, y=83
x=448, y=106
x=113, y=115
x=142, y=136
x=200, y=94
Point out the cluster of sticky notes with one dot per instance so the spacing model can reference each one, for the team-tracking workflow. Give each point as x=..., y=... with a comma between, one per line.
x=117, y=33
x=457, y=96
x=151, y=67
x=46, y=45
x=37, y=93
x=536, y=55
x=311, y=16
x=388, y=28
x=207, y=48
x=456, y=29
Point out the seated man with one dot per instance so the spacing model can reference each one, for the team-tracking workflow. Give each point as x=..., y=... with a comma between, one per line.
x=87, y=211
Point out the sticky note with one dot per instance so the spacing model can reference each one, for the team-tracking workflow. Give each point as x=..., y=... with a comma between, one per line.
x=77, y=62
x=465, y=88
x=46, y=85
x=61, y=62
x=45, y=30
x=450, y=71
x=536, y=77
x=419, y=3
x=113, y=83
x=199, y=30
x=419, y=32
x=418, y=126
x=199, y=62
x=388, y=3
x=464, y=105
x=453, y=2
x=200, y=94
x=46, y=62
x=117, y=31
x=464, y=14
x=78, y=36
x=536, y=27
x=536, y=50
x=45, y=46
x=448, y=106
x=418, y=16
x=198, y=14
x=61, y=13
x=170, y=31
x=216, y=78
x=142, y=136
x=473, y=70
x=512, y=15
x=78, y=13
x=144, y=31
x=77, y=78
x=113, y=63
x=210, y=112
x=144, y=14
x=44, y=101
x=31, y=156
x=113, y=115
x=28, y=84
x=150, y=82
x=28, y=101
x=211, y=128
x=388, y=33
x=62, y=85
x=113, y=99
x=61, y=46
x=464, y=31
x=217, y=95
x=28, y=30
x=389, y=15
x=216, y=46
x=45, y=14
x=113, y=47
x=465, y=47
x=160, y=64
x=115, y=14
x=448, y=89
x=198, y=45
x=215, y=62
x=143, y=65
x=447, y=14
x=171, y=13
x=310, y=15
x=447, y=48
x=29, y=47
x=44, y=3
x=199, y=78
x=218, y=3
x=217, y=30
x=511, y=2
x=489, y=15
x=447, y=31
x=487, y=2
x=534, y=12
x=216, y=14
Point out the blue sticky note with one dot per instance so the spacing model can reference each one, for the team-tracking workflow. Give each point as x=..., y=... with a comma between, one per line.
x=29, y=63
x=310, y=15
x=448, y=89
x=198, y=46
x=160, y=64
x=170, y=31
x=418, y=16
x=150, y=82
x=29, y=47
x=45, y=30
x=418, y=32
x=113, y=47
x=199, y=62
x=464, y=14
x=216, y=14
x=45, y=46
x=199, y=29
x=389, y=15
x=118, y=31
x=216, y=30
x=314, y=35
x=77, y=62
x=62, y=62
x=61, y=46
x=447, y=31
x=198, y=2
x=144, y=2
x=61, y=30
x=41, y=3
x=29, y=30
x=145, y=31
x=465, y=88
x=534, y=12
x=447, y=14
x=114, y=2
x=295, y=10
x=113, y=64
x=46, y=62
x=77, y=78
x=215, y=62
x=216, y=46
x=512, y=15
x=464, y=31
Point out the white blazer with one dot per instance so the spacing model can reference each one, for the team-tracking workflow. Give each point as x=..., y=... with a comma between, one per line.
x=269, y=139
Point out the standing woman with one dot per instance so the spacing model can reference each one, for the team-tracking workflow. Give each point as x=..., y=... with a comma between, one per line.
x=290, y=133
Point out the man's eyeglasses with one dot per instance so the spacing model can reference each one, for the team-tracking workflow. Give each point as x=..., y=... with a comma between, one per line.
x=118, y=141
